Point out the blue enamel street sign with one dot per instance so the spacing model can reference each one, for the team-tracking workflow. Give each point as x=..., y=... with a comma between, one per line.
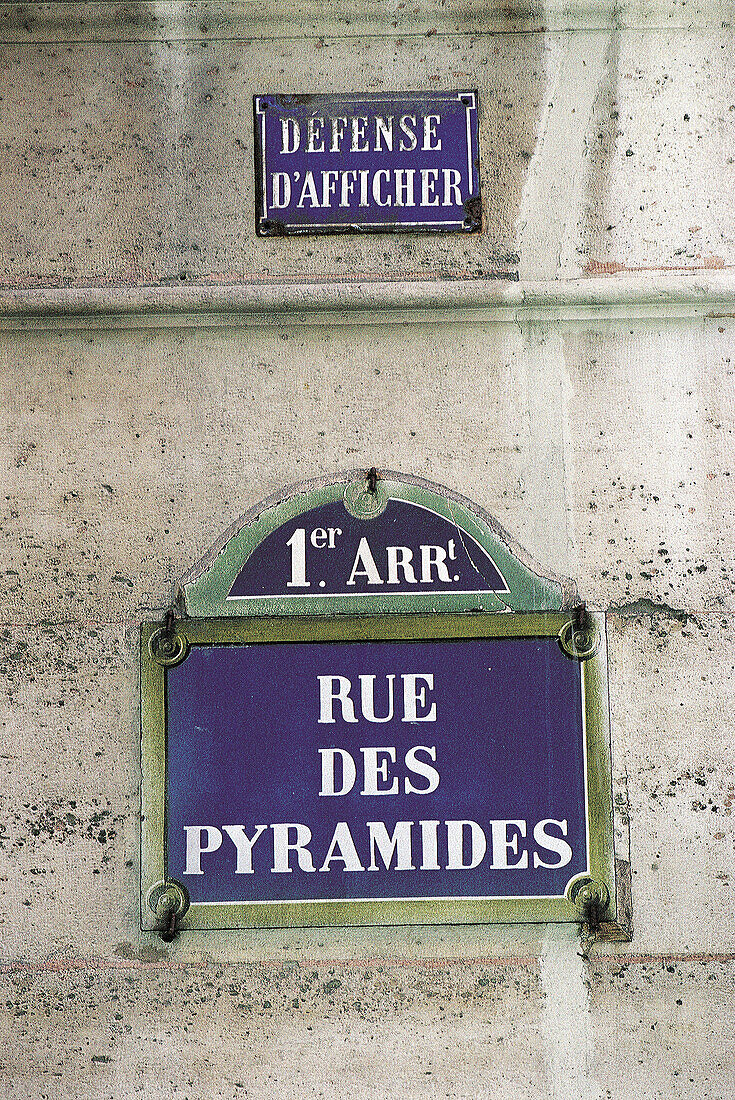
x=367, y=162
x=376, y=770
x=346, y=547
x=387, y=770
x=372, y=712
x=330, y=552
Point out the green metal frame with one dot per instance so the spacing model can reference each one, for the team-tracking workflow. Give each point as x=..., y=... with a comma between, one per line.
x=598, y=884
x=205, y=590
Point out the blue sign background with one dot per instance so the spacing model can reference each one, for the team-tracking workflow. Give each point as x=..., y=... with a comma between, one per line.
x=295, y=196
x=242, y=741
x=328, y=568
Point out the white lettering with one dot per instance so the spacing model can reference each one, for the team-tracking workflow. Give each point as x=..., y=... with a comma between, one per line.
x=420, y=767
x=407, y=124
x=451, y=187
x=329, y=187
x=342, y=847
x=429, y=846
x=398, y=844
x=551, y=843
x=195, y=849
x=379, y=178
x=430, y=124
x=455, y=845
x=349, y=772
x=435, y=556
x=338, y=126
x=364, y=175
x=314, y=135
x=429, y=177
x=282, y=848
x=375, y=769
x=358, y=135
x=347, y=186
x=467, y=842
x=244, y=845
x=399, y=557
x=412, y=694
x=383, y=132
x=308, y=191
x=290, y=135
x=281, y=190
x=502, y=844
x=327, y=697
x=404, y=186
x=297, y=542
x=367, y=691
x=365, y=558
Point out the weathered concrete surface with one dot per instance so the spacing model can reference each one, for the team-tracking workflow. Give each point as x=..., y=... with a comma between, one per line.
x=663, y=1027
x=124, y=456
x=377, y=1030
x=328, y=1031
x=670, y=699
x=183, y=20
x=607, y=453
x=106, y=507
x=155, y=144
x=662, y=152
x=609, y=151
x=669, y=297
x=652, y=425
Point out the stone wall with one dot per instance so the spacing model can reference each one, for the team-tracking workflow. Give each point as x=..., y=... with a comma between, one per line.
x=163, y=370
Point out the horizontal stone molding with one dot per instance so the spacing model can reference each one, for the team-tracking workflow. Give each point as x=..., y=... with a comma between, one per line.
x=693, y=297
x=182, y=20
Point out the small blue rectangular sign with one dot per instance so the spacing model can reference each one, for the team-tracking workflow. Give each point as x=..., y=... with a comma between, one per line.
x=420, y=769
x=369, y=162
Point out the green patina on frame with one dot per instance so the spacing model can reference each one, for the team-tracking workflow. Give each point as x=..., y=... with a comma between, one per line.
x=599, y=884
x=205, y=590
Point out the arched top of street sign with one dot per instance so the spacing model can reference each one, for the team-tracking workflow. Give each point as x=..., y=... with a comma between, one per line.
x=356, y=544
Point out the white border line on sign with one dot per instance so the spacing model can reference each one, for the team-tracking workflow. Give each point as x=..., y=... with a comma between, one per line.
x=424, y=592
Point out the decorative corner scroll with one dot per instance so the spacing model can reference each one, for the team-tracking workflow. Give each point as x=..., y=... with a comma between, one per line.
x=166, y=646
x=580, y=637
x=168, y=901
